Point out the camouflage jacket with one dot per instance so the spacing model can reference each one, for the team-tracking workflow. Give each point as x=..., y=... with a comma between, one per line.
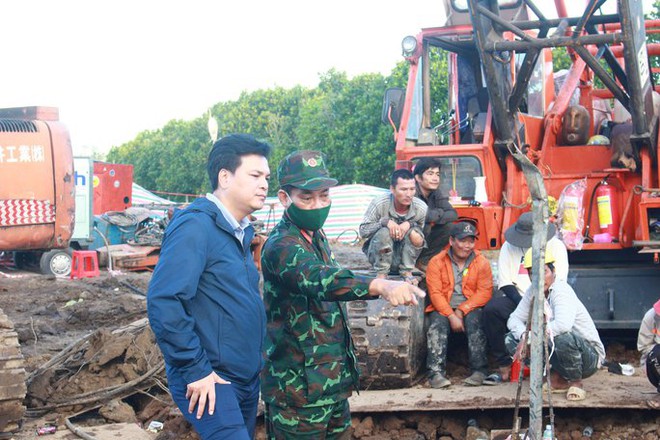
x=310, y=358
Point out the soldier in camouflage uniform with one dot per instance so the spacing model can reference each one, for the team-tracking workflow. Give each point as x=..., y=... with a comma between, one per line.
x=311, y=366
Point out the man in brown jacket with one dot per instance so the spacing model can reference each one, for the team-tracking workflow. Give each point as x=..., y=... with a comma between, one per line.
x=460, y=283
x=440, y=214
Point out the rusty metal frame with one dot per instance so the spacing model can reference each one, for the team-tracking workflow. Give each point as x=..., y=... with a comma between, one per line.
x=624, y=84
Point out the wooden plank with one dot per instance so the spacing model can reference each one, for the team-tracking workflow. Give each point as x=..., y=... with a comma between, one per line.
x=13, y=391
x=10, y=352
x=604, y=390
x=9, y=339
x=12, y=362
x=10, y=414
x=111, y=431
x=12, y=410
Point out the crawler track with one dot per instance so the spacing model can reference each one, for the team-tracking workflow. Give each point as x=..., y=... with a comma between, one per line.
x=389, y=341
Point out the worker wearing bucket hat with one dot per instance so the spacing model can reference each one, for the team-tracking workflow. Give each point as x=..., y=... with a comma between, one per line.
x=648, y=343
x=577, y=351
x=512, y=282
x=311, y=367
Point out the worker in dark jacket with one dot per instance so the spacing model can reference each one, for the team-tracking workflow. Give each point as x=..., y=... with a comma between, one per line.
x=439, y=215
x=204, y=304
x=311, y=366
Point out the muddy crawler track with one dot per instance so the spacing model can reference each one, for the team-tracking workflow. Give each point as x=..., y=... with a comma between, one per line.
x=12, y=379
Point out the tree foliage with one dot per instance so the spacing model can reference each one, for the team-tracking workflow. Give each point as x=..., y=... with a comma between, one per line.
x=341, y=118
x=343, y=121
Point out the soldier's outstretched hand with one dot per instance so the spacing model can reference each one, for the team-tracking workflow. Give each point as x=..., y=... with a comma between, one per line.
x=398, y=293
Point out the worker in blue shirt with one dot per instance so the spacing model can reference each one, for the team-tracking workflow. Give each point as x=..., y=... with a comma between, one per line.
x=203, y=302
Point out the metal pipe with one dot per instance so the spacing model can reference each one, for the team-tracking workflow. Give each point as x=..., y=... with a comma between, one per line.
x=452, y=46
x=505, y=24
x=532, y=6
x=572, y=21
x=523, y=46
x=561, y=8
x=426, y=86
x=527, y=69
x=626, y=210
x=588, y=12
x=611, y=60
x=600, y=71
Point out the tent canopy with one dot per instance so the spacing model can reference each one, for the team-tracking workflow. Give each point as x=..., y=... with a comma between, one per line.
x=145, y=198
x=349, y=203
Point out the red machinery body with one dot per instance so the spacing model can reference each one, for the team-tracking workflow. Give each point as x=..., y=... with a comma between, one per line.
x=37, y=204
x=113, y=187
x=505, y=97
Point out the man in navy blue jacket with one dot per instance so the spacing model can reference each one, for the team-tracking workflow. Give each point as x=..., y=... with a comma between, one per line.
x=203, y=302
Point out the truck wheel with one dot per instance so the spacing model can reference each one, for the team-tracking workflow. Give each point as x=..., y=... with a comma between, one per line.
x=56, y=262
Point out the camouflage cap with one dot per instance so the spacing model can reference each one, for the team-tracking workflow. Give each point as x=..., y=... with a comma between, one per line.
x=305, y=170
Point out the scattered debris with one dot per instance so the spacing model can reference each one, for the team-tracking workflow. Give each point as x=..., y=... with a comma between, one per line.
x=99, y=368
x=46, y=430
x=155, y=426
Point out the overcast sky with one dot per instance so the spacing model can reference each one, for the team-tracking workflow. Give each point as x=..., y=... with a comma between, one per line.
x=116, y=68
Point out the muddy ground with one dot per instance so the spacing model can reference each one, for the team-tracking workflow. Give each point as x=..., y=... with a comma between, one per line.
x=52, y=314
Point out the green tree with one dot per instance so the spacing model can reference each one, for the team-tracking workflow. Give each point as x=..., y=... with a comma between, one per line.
x=173, y=159
x=340, y=117
x=560, y=59
x=343, y=121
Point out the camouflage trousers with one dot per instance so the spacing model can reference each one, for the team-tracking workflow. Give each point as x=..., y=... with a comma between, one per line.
x=438, y=339
x=387, y=255
x=573, y=357
x=653, y=366
x=327, y=422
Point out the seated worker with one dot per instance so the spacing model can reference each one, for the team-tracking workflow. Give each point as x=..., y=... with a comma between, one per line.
x=459, y=282
x=577, y=351
x=648, y=343
x=439, y=215
x=392, y=227
x=513, y=281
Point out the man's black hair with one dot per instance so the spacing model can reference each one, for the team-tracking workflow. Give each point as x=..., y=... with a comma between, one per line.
x=425, y=163
x=227, y=154
x=400, y=174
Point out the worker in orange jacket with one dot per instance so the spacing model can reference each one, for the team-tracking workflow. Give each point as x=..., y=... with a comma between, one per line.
x=460, y=283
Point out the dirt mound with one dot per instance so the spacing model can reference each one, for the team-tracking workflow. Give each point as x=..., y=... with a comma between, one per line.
x=99, y=367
